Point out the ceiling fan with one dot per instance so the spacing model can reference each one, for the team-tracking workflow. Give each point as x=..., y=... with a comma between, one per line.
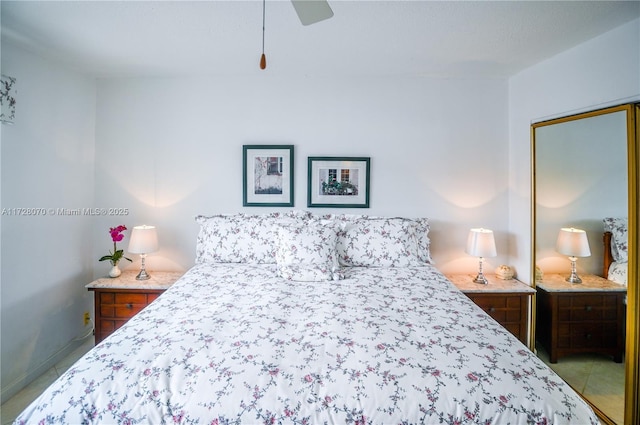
x=312, y=11
x=309, y=12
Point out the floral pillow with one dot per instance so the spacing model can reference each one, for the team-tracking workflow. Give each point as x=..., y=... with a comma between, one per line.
x=422, y=237
x=378, y=242
x=307, y=252
x=418, y=226
x=619, y=238
x=618, y=273
x=240, y=238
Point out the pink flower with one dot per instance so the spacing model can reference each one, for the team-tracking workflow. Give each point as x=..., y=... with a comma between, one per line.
x=116, y=236
x=308, y=378
x=116, y=233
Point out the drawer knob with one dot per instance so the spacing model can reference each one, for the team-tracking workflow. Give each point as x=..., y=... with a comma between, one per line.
x=129, y=306
x=588, y=336
x=588, y=308
x=492, y=309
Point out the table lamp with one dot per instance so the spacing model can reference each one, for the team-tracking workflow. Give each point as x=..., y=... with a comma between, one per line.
x=574, y=243
x=144, y=240
x=481, y=244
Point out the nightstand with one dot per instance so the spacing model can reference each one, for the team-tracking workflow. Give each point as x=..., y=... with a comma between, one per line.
x=118, y=299
x=585, y=317
x=507, y=301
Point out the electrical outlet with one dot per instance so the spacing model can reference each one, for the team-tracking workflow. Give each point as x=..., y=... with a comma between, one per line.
x=87, y=318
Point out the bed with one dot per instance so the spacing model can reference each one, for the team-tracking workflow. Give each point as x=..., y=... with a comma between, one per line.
x=616, y=255
x=297, y=319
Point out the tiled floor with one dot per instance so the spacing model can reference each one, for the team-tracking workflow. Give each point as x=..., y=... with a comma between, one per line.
x=598, y=378
x=17, y=403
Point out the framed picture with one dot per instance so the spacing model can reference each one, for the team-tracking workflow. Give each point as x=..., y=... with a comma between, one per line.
x=338, y=182
x=267, y=175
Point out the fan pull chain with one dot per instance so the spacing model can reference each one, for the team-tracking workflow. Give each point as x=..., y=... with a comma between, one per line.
x=263, y=58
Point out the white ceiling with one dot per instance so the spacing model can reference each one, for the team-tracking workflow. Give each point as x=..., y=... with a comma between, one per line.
x=447, y=38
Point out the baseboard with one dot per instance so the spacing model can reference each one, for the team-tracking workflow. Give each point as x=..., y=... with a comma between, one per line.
x=8, y=391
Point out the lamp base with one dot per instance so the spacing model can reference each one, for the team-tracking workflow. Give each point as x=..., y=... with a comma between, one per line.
x=481, y=279
x=143, y=275
x=573, y=278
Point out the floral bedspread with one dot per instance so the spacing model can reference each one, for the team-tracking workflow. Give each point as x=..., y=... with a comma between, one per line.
x=235, y=344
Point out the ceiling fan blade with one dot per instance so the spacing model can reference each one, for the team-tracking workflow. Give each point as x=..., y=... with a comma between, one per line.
x=312, y=11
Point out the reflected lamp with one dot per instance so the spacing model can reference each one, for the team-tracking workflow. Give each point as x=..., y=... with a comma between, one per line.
x=481, y=244
x=573, y=243
x=143, y=241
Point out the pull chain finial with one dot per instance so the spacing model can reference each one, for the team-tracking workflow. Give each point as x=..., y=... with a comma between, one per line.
x=263, y=58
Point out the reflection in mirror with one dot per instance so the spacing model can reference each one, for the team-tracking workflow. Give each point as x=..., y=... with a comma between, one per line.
x=581, y=179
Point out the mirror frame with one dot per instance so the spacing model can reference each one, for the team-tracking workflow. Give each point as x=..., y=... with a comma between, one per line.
x=632, y=342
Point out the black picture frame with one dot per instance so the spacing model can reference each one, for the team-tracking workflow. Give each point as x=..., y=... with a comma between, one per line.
x=338, y=182
x=267, y=175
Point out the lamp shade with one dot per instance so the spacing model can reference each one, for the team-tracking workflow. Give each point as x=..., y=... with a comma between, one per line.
x=573, y=242
x=481, y=243
x=144, y=240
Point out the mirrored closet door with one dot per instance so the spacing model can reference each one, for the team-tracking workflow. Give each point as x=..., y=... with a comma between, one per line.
x=585, y=255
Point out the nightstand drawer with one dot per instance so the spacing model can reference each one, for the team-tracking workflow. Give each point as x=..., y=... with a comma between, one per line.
x=121, y=305
x=502, y=308
x=592, y=335
x=587, y=307
x=108, y=326
x=121, y=311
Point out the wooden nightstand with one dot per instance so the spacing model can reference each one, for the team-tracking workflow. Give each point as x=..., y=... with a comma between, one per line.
x=585, y=317
x=118, y=299
x=507, y=301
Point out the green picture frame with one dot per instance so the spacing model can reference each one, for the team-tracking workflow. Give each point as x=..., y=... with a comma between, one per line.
x=338, y=182
x=267, y=175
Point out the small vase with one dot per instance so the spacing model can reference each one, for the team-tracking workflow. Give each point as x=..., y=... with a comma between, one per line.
x=115, y=271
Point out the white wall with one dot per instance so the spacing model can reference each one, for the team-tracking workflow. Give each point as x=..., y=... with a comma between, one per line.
x=169, y=149
x=601, y=72
x=47, y=162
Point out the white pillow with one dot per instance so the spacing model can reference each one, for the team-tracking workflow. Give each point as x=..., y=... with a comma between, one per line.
x=241, y=238
x=307, y=252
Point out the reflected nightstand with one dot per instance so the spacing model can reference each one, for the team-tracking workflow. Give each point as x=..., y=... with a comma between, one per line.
x=585, y=317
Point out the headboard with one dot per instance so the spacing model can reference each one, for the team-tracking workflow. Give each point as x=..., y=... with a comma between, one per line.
x=608, y=256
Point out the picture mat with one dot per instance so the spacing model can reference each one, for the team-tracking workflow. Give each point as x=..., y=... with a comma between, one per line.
x=316, y=183
x=252, y=197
